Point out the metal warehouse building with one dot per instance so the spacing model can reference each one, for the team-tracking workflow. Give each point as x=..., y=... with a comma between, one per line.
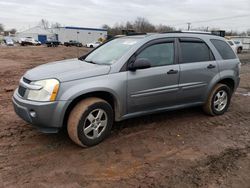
x=80, y=34
x=37, y=33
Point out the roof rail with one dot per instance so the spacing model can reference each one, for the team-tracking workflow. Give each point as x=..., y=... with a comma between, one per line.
x=133, y=33
x=191, y=32
x=172, y=32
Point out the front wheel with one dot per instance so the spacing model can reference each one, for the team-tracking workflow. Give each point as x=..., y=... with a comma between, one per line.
x=218, y=101
x=90, y=121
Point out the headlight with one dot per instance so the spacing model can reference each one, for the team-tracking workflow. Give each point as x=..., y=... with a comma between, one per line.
x=48, y=92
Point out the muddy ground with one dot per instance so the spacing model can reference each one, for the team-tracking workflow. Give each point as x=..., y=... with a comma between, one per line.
x=175, y=149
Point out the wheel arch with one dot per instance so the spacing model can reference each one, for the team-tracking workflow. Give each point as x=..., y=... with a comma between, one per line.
x=229, y=82
x=107, y=96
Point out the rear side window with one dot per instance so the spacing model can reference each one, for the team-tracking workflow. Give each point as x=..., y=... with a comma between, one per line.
x=195, y=51
x=224, y=49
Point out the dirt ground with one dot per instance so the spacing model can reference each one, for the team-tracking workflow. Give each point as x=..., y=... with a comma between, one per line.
x=175, y=149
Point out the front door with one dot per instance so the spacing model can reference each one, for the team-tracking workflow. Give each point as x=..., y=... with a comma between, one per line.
x=155, y=87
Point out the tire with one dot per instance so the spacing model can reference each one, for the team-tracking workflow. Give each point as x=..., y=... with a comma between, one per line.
x=91, y=46
x=216, y=105
x=79, y=119
x=239, y=50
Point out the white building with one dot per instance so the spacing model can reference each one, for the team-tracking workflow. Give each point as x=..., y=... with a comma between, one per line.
x=80, y=34
x=37, y=33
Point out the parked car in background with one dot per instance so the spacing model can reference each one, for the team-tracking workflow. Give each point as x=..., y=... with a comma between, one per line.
x=53, y=43
x=30, y=41
x=128, y=77
x=9, y=42
x=237, y=46
x=93, y=45
x=73, y=43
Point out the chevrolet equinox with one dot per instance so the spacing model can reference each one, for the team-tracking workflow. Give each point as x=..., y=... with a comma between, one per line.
x=127, y=77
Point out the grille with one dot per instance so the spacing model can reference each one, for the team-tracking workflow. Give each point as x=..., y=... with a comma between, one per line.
x=21, y=91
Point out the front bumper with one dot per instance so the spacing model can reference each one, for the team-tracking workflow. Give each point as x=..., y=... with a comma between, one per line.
x=46, y=116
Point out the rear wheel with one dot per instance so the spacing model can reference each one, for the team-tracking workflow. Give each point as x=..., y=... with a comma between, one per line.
x=90, y=121
x=218, y=100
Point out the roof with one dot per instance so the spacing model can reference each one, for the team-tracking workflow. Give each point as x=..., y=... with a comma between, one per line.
x=84, y=28
x=37, y=30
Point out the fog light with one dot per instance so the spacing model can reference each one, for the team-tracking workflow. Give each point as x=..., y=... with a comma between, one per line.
x=32, y=113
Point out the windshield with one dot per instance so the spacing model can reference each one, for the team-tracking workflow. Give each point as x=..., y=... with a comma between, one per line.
x=111, y=51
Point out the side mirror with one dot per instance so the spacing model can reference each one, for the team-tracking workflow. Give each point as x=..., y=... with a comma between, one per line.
x=139, y=64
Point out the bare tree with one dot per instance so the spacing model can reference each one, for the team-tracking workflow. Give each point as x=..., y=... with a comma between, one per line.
x=55, y=25
x=139, y=25
x=1, y=28
x=164, y=28
x=143, y=25
x=129, y=25
x=44, y=24
x=248, y=32
x=13, y=31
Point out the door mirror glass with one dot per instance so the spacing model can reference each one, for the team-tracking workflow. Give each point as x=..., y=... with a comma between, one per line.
x=139, y=64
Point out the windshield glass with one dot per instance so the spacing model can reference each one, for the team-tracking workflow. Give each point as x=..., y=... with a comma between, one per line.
x=111, y=51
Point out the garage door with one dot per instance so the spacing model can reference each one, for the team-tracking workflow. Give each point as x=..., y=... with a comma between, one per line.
x=42, y=38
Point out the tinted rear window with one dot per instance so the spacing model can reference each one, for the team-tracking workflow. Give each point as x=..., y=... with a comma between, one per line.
x=224, y=49
x=195, y=52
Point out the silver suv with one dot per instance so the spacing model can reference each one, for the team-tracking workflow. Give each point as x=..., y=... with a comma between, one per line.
x=128, y=77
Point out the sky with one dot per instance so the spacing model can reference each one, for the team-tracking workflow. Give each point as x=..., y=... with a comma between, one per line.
x=223, y=14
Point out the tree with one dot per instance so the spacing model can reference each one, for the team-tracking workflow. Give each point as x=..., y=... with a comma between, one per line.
x=55, y=25
x=1, y=28
x=164, y=28
x=129, y=25
x=13, y=31
x=248, y=32
x=44, y=24
x=140, y=25
x=143, y=25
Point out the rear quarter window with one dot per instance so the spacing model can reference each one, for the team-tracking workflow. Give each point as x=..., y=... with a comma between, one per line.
x=224, y=49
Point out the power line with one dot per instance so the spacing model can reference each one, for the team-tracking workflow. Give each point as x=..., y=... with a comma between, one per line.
x=215, y=19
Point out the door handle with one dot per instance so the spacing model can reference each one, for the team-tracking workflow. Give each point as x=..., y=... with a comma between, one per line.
x=172, y=71
x=211, y=66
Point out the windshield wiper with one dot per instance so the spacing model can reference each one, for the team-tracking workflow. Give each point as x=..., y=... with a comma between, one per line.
x=92, y=62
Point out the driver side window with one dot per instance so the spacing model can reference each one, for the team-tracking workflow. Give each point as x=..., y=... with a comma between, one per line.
x=159, y=54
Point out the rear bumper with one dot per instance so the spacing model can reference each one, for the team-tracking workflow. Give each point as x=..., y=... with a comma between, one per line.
x=45, y=116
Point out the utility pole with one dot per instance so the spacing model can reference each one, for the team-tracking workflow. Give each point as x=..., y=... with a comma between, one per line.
x=77, y=33
x=189, y=26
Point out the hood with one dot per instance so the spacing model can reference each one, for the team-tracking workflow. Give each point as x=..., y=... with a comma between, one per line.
x=67, y=70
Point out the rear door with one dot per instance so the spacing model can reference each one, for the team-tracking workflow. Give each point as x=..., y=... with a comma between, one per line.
x=155, y=87
x=198, y=67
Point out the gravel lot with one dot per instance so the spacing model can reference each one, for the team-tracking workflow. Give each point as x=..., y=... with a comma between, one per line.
x=175, y=149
